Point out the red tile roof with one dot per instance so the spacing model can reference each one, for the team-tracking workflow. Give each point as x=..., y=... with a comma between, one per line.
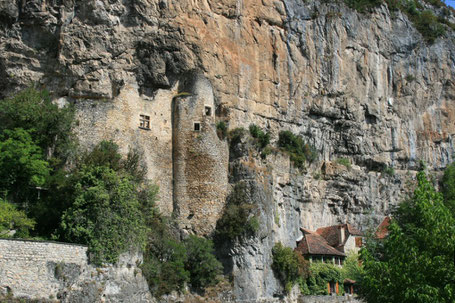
x=314, y=244
x=332, y=234
x=383, y=229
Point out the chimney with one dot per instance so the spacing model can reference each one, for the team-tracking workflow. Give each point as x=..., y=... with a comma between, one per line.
x=342, y=234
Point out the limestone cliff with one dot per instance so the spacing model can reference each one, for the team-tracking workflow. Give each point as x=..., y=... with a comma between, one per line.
x=365, y=87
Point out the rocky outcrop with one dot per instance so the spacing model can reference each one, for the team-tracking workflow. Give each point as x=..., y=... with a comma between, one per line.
x=365, y=88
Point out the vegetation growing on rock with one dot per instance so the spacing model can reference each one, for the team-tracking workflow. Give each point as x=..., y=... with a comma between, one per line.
x=239, y=218
x=289, y=266
x=425, y=21
x=299, y=151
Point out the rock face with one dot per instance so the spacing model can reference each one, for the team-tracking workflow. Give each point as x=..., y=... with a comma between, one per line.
x=364, y=88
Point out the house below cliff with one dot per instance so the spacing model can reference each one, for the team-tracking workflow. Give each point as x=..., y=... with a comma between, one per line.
x=330, y=244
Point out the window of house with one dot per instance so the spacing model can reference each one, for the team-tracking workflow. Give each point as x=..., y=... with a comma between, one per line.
x=144, y=121
x=358, y=242
x=208, y=110
x=197, y=126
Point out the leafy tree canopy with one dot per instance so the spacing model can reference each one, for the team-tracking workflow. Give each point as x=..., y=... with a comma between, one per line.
x=49, y=125
x=13, y=220
x=288, y=265
x=448, y=187
x=416, y=263
x=109, y=207
x=22, y=166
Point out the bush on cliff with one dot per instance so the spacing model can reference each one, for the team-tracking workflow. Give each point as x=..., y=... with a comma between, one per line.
x=170, y=264
x=238, y=218
x=430, y=26
x=201, y=263
x=289, y=266
x=262, y=139
x=299, y=151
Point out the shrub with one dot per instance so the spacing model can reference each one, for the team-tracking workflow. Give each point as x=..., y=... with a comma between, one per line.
x=238, y=218
x=170, y=264
x=288, y=265
x=201, y=263
x=410, y=78
x=164, y=268
x=221, y=130
x=262, y=139
x=363, y=5
x=15, y=220
x=428, y=25
x=321, y=274
x=344, y=162
x=389, y=171
x=424, y=21
x=236, y=135
x=298, y=150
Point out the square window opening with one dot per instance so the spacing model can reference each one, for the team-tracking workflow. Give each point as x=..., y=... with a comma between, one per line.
x=208, y=111
x=144, y=121
x=197, y=126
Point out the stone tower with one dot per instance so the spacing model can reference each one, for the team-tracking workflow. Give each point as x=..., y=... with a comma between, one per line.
x=200, y=158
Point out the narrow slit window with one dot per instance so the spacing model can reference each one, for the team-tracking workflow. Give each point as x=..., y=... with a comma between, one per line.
x=197, y=126
x=208, y=111
x=144, y=122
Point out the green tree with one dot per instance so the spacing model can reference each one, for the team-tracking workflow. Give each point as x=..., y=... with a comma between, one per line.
x=164, y=268
x=288, y=265
x=352, y=268
x=49, y=125
x=238, y=218
x=448, y=187
x=106, y=214
x=201, y=263
x=416, y=263
x=22, y=167
x=37, y=134
x=14, y=220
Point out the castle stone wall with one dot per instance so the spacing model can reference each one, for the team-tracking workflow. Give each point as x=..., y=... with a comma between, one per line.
x=118, y=119
x=200, y=158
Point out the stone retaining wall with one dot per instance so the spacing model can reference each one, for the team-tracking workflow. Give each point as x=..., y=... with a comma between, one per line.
x=328, y=299
x=28, y=268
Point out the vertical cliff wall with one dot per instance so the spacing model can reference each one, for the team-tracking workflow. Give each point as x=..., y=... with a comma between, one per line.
x=365, y=87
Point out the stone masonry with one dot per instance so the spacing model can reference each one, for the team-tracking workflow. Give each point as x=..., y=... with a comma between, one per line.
x=200, y=158
x=27, y=267
x=50, y=271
